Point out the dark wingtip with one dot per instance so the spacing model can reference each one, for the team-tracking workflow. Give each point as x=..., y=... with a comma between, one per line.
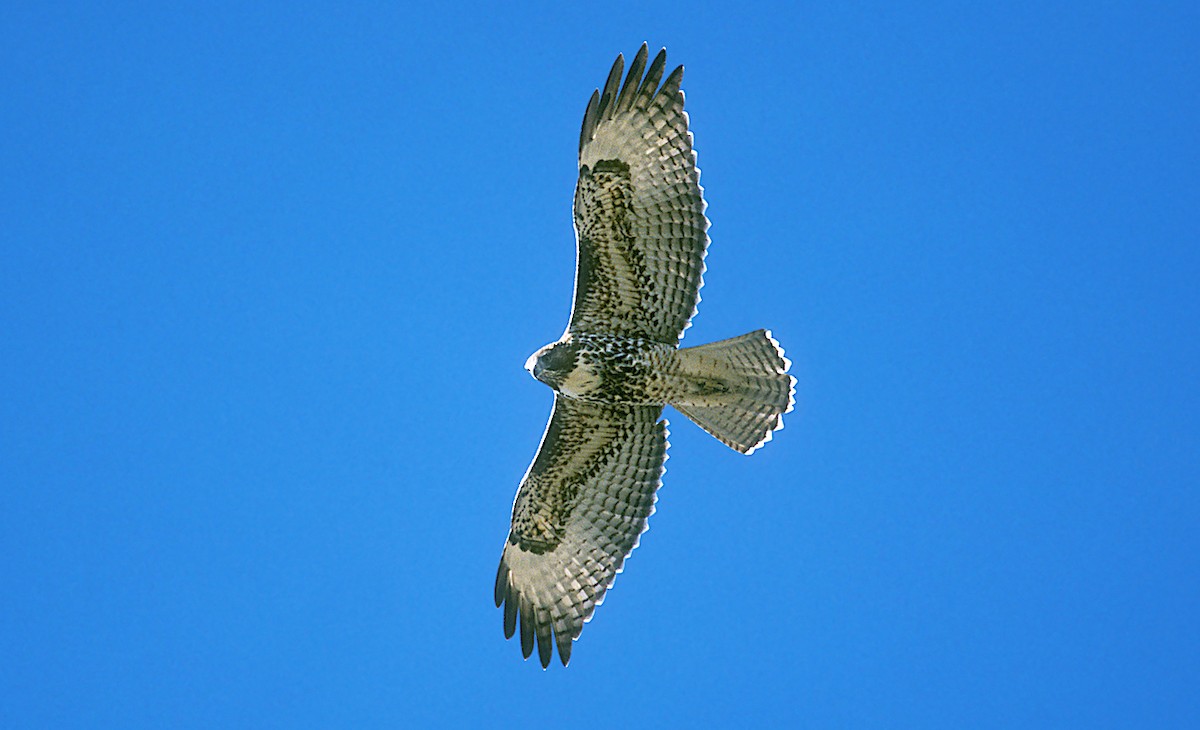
x=545, y=650
x=608, y=96
x=632, y=79
x=527, y=635
x=653, y=76
x=501, y=583
x=673, y=82
x=510, y=618
x=564, y=643
x=590, y=114
x=638, y=90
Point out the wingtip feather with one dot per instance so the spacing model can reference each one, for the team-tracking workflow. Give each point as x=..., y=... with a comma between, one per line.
x=527, y=635
x=588, y=128
x=649, y=84
x=630, y=87
x=672, y=84
x=545, y=643
x=501, y=589
x=608, y=97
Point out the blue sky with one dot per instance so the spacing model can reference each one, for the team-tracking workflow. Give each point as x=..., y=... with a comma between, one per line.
x=269, y=277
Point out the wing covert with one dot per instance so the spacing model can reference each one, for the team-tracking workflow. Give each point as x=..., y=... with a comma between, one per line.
x=578, y=514
x=640, y=229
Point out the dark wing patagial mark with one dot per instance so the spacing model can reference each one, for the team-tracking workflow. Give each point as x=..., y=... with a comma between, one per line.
x=640, y=229
x=578, y=514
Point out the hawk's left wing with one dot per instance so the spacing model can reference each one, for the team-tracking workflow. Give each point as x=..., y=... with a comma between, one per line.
x=640, y=229
x=578, y=514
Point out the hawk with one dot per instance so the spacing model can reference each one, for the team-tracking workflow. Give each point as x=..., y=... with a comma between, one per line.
x=641, y=236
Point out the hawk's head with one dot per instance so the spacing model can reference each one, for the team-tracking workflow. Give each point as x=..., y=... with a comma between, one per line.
x=553, y=363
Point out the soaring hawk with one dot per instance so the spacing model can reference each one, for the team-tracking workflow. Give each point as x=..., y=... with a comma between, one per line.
x=641, y=236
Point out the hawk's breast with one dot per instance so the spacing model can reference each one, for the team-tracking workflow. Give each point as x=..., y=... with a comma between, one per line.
x=583, y=382
x=619, y=370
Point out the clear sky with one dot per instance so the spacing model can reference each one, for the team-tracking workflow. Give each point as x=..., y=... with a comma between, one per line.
x=269, y=277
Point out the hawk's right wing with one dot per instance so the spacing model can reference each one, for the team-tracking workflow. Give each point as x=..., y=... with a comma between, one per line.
x=640, y=229
x=578, y=514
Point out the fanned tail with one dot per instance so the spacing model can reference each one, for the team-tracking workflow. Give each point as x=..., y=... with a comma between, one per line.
x=737, y=389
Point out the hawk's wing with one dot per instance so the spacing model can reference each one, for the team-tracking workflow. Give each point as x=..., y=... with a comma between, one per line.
x=639, y=209
x=578, y=514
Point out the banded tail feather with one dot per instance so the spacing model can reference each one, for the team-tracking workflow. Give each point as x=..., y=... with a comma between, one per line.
x=737, y=389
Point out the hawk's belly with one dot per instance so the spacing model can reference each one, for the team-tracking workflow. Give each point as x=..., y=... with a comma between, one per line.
x=623, y=370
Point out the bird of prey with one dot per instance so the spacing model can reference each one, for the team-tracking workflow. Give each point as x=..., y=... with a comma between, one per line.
x=641, y=236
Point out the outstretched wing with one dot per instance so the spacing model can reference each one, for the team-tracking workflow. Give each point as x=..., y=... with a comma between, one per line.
x=578, y=514
x=640, y=228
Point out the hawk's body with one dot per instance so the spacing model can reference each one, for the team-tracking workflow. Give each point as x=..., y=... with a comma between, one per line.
x=641, y=238
x=615, y=369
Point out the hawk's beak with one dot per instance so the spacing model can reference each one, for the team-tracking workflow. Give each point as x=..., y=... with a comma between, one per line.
x=532, y=366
